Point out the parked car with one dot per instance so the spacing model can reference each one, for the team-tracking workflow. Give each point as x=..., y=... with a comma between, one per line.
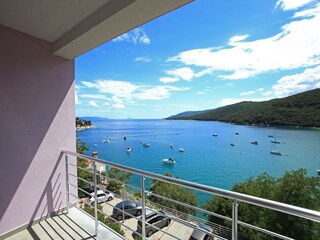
x=102, y=196
x=201, y=233
x=127, y=206
x=155, y=220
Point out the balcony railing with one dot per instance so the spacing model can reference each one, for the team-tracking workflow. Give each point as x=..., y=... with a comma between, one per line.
x=187, y=220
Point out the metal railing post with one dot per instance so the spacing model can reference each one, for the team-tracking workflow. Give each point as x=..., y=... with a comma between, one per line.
x=234, y=220
x=67, y=183
x=95, y=197
x=143, y=210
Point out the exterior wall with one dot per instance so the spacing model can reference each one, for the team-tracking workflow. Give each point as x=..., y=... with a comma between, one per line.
x=37, y=122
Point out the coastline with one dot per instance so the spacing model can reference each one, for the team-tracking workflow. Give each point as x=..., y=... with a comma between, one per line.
x=84, y=128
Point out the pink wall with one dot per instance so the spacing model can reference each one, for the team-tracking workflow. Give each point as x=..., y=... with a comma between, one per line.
x=36, y=123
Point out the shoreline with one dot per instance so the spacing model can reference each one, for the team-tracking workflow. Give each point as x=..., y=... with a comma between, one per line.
x=84, y=128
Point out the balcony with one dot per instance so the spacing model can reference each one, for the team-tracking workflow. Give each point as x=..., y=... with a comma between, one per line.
x=76, y=223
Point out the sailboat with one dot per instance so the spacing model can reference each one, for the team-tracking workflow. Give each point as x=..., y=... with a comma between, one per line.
x=274, y=142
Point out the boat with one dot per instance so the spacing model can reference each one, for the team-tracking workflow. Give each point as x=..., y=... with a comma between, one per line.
x=274, y=152
x=237, y=133
x=318, y=170
x=128, y=149
x=275, y=141
x=270, y=136
x=124, y=137
x=141, y=141
x=168, y=160
x=96, y=145
x=215, y=135
x=232, y=144
x=105, y=141
x=171, y=145
x=181, y=149
x=146, y=145
x=255, y=142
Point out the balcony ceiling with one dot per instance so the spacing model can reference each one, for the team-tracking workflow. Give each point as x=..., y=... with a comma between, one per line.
x=76, y=26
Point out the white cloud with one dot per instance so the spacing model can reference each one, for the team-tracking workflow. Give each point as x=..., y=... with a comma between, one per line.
x=124, y=91
x=93, y=104
x=143, y=59
x=183, y=73
x=136, y=36
x=168, y=79
x=158, y=92
x=292, y=4
x=251, y=92
x=118, y=106
x=307, y=80
x=201, y=93
x=238, y=38
x=95, y=96
x=296, y=45
x=247, y=93
x=114, y=87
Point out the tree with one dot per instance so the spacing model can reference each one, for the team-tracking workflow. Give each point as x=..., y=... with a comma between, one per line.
x=294, y=188
x=81, y=149
x=116, y=179
x=175, y=192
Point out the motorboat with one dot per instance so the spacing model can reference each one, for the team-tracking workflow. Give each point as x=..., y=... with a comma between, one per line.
x=274, y=152
x=275, y=141
x=237, y=133
x=124, y=137
x=181, y=149
x=232, y=144
x=255, y=142
x=168, y=160
x=128, y=149
x=215, y=135
x=146, y=145
x=171, y=145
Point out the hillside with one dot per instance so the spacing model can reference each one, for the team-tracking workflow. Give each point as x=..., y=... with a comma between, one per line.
x=302, y=109
x=189, y=113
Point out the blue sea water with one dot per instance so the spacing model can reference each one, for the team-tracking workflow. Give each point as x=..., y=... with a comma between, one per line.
x=207, y=159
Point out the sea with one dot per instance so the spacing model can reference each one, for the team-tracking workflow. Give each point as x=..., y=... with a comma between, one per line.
x=206, y=159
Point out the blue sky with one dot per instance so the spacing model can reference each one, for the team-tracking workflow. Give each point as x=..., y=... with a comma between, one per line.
x=204, y=55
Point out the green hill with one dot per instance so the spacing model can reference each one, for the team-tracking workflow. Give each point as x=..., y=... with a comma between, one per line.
x=302, y=109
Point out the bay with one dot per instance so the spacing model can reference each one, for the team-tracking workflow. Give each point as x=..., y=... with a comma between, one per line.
x=207, y=159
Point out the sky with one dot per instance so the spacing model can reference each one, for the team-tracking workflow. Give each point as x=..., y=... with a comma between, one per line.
x=205, y=55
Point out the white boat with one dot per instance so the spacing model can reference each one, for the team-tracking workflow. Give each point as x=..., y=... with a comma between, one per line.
x=105, y=141
x=128, y=149
x=181, y=149
x=171, y=145
x=255, y=142
x=141, y=141
x=318, y=170
x=146, y=145
x=96, y=145
x=274, y=152
x=275, y=141
x=168, y=160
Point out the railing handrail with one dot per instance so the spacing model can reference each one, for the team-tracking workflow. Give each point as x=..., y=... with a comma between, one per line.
x=270, y=204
